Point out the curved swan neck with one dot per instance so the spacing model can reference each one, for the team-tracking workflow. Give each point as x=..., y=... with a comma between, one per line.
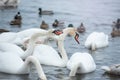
x=74, y=69
x=67, y=31
x=62, y=51
x=31, y=43
x=32, y=59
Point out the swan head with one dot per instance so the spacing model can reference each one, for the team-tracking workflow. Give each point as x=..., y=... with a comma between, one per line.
x=72, y=32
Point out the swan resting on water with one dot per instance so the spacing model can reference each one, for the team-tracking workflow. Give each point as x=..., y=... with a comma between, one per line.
x=81, y=63
x=13, y=64
x=96, y=40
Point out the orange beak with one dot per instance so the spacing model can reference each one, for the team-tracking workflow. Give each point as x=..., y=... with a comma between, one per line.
x=57, y=32
x=76, y=38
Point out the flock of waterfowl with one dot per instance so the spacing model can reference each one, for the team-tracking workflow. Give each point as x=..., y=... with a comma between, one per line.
x=38, y=51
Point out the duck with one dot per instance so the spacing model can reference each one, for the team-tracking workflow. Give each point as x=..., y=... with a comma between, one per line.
x=18, y=66
x=9, y=3
x=31, y=45
x=96, y=40
x=44, y=25
x=16, y=22
x=57, y=23
x=81, y=63
x=70, y=25
x=113, y=69
x=115, y=33
x=4, y=30
x=81, y=29
x=45, y=12
x=18, y=16
x=47, y=55
x=17, y=19
x=116, y=28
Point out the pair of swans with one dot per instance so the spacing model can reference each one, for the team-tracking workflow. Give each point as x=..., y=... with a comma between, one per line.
x=11, y=62
x=96, y=40
x=49, y=56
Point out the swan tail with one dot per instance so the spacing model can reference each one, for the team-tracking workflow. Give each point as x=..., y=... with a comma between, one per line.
x=74, y=69
x=38, y=66
x=105, y=68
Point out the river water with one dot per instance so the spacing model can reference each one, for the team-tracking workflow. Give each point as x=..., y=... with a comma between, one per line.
x=96, y=15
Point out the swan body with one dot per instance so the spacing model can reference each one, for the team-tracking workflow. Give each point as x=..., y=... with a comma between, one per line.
x=8, y=37
x=48, y=56
x=17, y=38
x=13, y=64
x=114, y=69
x=96, y=40
x=81, y=63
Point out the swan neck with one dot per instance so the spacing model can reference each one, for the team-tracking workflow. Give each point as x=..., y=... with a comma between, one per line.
x=93, y=47
x=66, y=31
x=31, y=44
x=74, y=69
x=35, y=61
x=62, y=51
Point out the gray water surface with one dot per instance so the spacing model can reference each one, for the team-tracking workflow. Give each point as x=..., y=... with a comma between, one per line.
x=97, y=15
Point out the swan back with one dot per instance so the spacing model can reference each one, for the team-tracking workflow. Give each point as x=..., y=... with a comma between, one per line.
x=7, y=37
x=85, y=60
x=11, y=48
x=48, y=56
x=29, y=32
x=10, y=63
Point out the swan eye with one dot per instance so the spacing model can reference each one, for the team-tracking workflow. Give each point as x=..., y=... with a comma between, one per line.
x=57, y=32
x=76, y=38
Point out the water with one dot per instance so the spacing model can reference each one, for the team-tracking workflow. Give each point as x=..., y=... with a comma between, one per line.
x=97, y=15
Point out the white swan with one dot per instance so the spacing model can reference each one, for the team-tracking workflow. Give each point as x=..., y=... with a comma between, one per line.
x=18, y=37
x=81, y=63
x=23, y=54
x=49, y=56
x=114, y=69
x=96, y=40
x=13, y=64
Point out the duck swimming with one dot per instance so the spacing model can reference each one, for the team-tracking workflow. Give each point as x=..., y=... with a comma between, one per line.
x=45, y=12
